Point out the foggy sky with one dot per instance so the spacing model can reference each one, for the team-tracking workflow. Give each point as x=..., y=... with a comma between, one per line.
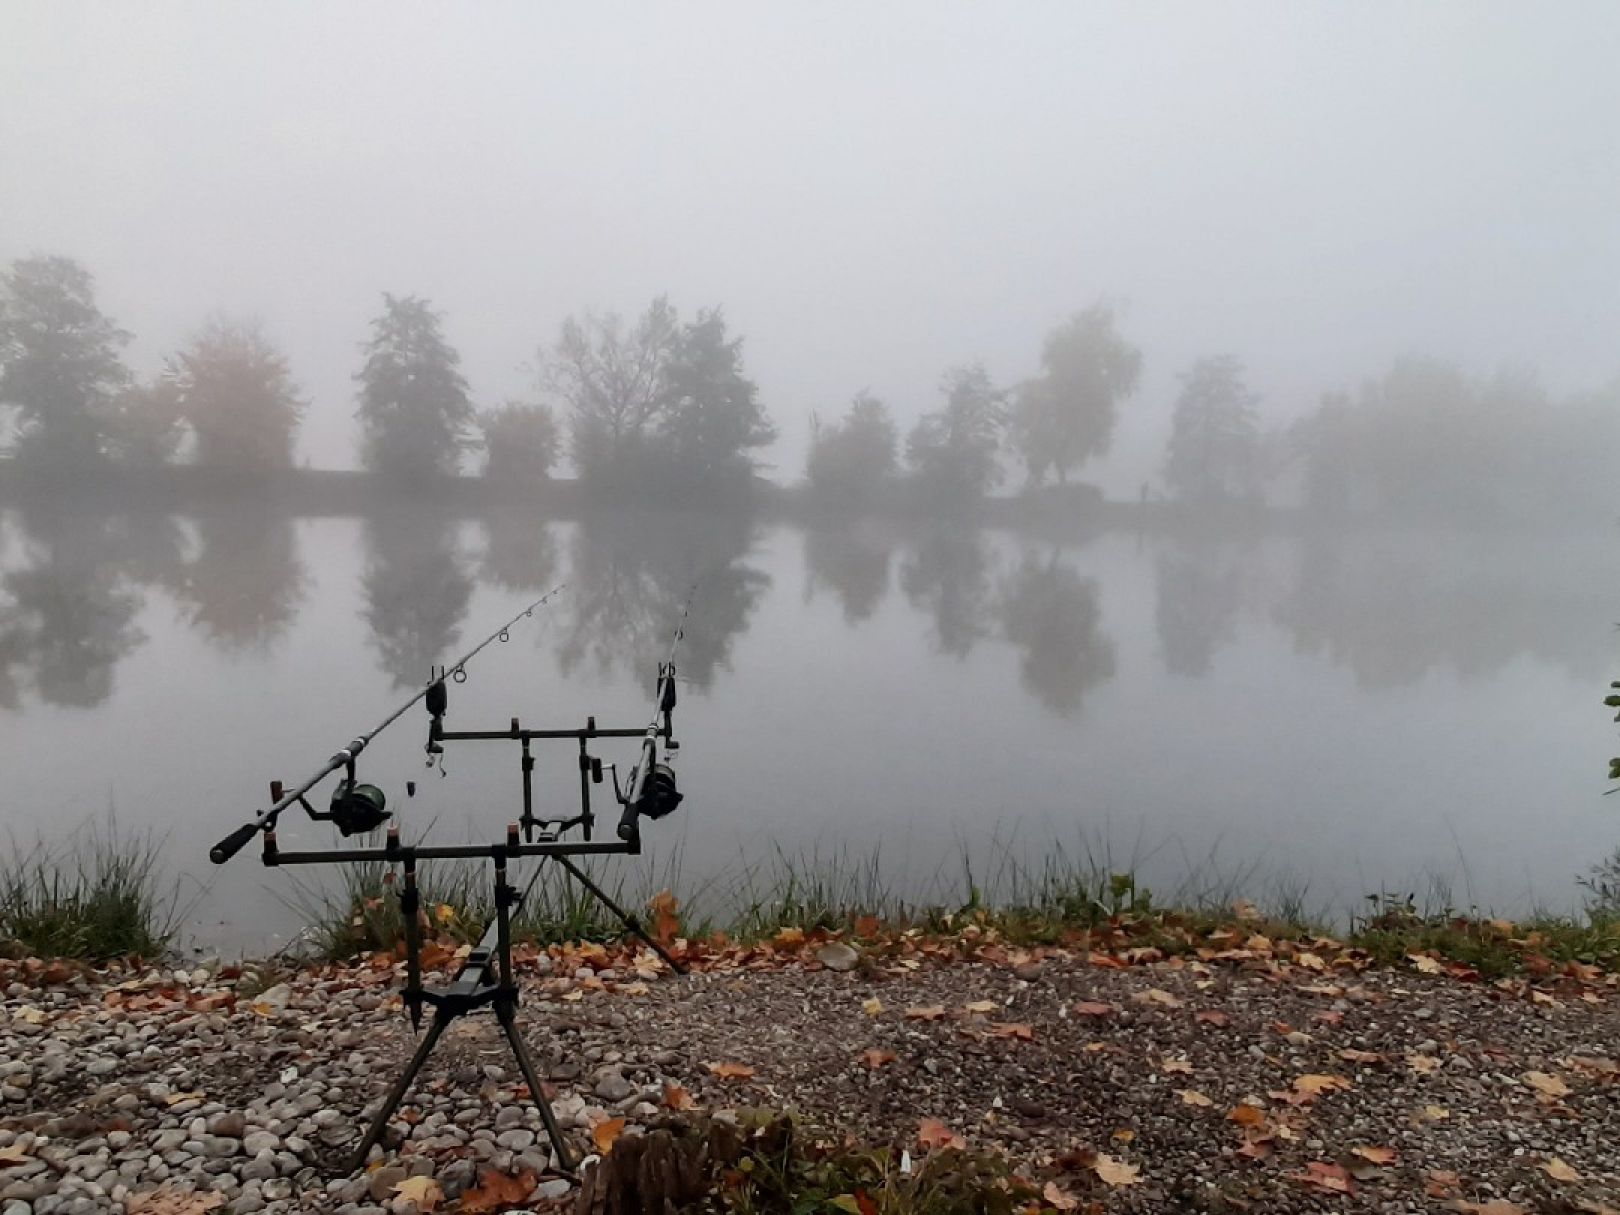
x=874, y=192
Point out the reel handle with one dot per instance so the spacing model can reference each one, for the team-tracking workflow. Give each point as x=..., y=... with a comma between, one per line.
x=232, y=843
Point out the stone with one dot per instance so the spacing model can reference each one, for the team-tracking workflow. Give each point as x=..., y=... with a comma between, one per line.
x=836, y=955
x=612, y=1086
x=384, y=1181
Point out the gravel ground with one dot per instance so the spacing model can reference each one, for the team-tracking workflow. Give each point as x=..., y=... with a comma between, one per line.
x=1222, y=1088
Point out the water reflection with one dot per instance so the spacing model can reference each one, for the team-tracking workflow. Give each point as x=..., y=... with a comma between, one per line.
x=416, y=589
x=520, y=553
x=244, y=588
x=630, y=577
x=851, y=560
x=1052, y=615
x=947, y=576
x=68, y=614
x=1200, y=591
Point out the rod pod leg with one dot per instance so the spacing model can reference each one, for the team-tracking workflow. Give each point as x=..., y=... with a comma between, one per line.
x=379, y=1121
x=630, y=921
x=506, y=1014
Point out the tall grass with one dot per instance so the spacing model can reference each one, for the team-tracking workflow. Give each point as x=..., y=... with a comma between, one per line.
x=97, y=896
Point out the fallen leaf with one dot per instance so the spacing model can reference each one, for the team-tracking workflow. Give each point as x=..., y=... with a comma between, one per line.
x=1496, y=1206
x=1435, y=1113
x=1546, y=1085
x=606, y=1133
x=1211, y=1016
x=1376, y=1155
x=677, y=1098
x=666, y=921
x=1058, y=1198
x=931, y=1012
x=1426, y=964
x=982, y=1006
x=1123, y=1135
x=423, y=1191
x=1117, y=1172
x=1559, y=1171
x=731, y=1071
x=872, y=1007
x=875, y=1058
x=1155, y=995
x=1191, y=1096
x=1423, y=1065
x=172, y=1202
x=11, y=1157
x=1246, y=1115
x=1441, y=1183
x=1370, y=1058
x=932, y=1133
x=790, y=937
x=1313, y=1084
x=444, y=913
x=867, y=926
x=1324, y=1176
x=497, y=1191
x=1176, y=1067
x=1013, y=1029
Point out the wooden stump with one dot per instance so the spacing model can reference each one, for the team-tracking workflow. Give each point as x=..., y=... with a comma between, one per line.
x=660, y=1172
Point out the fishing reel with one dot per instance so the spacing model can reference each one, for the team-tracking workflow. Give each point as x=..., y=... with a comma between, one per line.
x=357, y=809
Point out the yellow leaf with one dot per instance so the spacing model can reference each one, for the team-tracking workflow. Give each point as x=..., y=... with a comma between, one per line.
x=1173, y=1067
x=444, y=913
x=1435, y=1113
x=11, y=1157
x=1191, y=1096
x=1559, y=1171
x=982, y=1006
x=1058, y=1198
x=1426, y=964
x=606, y=1133
x=872, y=1007
x=1117, y=1172
x=790, y=937
x=1423, y=1065
x=845, y=1202
x=1546, y=1085
x=423, y=1191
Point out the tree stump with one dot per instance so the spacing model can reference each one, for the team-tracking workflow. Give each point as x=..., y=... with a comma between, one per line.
x=660, y=1172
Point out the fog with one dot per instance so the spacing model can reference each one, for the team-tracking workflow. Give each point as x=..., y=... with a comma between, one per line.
x=872, y=193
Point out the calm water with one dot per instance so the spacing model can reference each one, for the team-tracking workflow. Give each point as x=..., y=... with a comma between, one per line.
x=1339, y=714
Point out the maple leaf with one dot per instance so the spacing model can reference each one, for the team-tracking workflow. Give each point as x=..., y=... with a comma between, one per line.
x=1013, y=1029
x=606, y=1133
x=1093, y=1008
x=1558, y=1170
x=1547, y=1085
x=1191, y=1096
x=932, y=1133
x=1313, y=1084
x=677, y=1098
x=1323, y=1176
x=1376, y=1155
x=931, y=1012
x=875, y=1058
x=423, y=1191
x=1058, y=1198
x=731, y=1071
x=1117, y=1172
x=497, y=1191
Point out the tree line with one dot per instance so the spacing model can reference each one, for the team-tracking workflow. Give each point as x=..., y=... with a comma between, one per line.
x=664, y=402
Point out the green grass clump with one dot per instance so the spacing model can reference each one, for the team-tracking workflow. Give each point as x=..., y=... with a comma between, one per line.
x=99, y=896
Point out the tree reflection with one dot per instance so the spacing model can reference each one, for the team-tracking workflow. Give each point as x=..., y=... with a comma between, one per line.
x=416, y=591
x=850, y=561
x=244, y=588
x=68, y=616
x=1199, y=593
x=520, y=553
x=948, y=577
x=630, y=579
x=1051, y=613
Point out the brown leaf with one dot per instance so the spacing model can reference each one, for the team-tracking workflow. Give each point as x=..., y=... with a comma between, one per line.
x=1323, y=1176
x=1428, y=965
x=1058, y=1198
x=606, y=1133
x=666, y=920
x=872, y=1007
x=1013, y=1029
x=677, y=1098
x=931, y=1012
x=1155, y=995
x=1423, y=1065
x=1376, y=1155
x=497, y=1191
x=11, y=1157
x=171, y=1202
x=1211, y=1016
x=1117, y=1172
x=1176, y=1067
x=875, y=1058
x=1559, y=1171
x=1369, y=1058
x=1441, y=1183
x=1546, y=1085
x=1093, y=1008
x=790, y=938
x=932, y=1133
x=731, y=1071
x=1314, y=1084
x=1496, y=1206
x=423, y=1191
x=982, y=1006
x=1191, y=1096
x=1246, y=1115
x=867, y=926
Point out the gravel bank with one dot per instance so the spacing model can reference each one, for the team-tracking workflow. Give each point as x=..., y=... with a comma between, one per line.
x=1220, y=1086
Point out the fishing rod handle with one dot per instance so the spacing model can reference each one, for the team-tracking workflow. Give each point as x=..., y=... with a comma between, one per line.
x=232, y=843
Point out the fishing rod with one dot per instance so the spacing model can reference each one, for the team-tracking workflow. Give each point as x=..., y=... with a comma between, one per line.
x=358, y=808
x=650, y=788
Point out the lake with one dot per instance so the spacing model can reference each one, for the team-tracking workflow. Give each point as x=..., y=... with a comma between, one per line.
x=1321, y=715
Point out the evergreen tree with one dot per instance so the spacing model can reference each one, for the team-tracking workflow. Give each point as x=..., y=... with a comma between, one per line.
x=414, y=409
x=711, y=416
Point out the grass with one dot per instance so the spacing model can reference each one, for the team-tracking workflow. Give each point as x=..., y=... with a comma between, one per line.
x=99, y=896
